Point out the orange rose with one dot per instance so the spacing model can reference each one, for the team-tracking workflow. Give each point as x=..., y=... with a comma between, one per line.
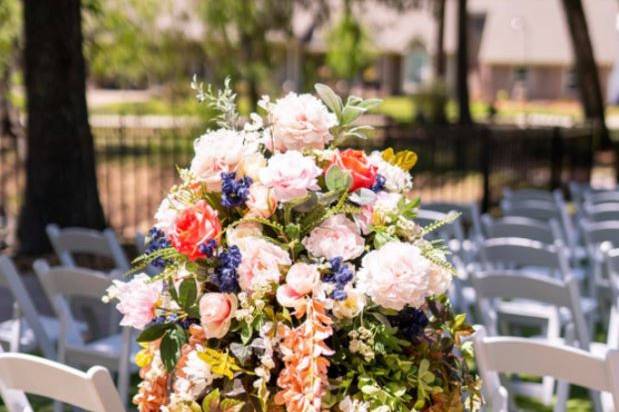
x=356, y=163
x=194, y=227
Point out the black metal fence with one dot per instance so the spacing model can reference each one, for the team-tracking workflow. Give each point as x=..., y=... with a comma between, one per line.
x=136, y=166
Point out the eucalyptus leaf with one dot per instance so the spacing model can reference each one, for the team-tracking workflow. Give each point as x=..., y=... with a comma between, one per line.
x=337, y=180
x=362, y=197
x=330, y=98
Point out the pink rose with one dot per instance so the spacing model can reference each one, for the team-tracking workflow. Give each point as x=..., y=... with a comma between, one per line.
x=261, y=201
x=337, y=236
x=195, y=226
x=216, y=311
x=261, y=262
x=291, y=175
x=300, y=281
x=300, y=122
x=137, y=300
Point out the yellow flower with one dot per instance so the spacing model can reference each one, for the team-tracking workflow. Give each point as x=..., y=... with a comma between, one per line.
x=221, y=363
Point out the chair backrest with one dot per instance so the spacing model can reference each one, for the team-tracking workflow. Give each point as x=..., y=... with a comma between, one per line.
x=522, y=227
x=62, y=283
x=469, y=214
x=595, y=198
x=611, y=261
x=504, y=284
x=14, y=400
x=70, y=241
x=11, y=279
x=602, y=212
x=533, y=357
x=531, y=194
x=92, y=390
x=522, y=253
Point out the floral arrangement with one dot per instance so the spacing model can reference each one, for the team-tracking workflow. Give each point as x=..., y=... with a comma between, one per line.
x=292, y=274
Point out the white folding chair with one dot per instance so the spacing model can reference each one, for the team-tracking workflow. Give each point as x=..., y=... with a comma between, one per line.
x=113, y=351
x=545, y=211
x=526, y=356
x=27, y=329
x=595, y=235
x=531, y=194
x=504, y=296
x=522, y=227
x=602, y=212
x=595, y=198
x=20, y=374
x=451, y=233
x=67, y=242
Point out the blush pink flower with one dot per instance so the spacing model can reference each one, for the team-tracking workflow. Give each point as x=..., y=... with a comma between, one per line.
x=261, y=263
x=300, y=122
x=396, y=275
x=216, y=311
x=301, y=280
x=261, y=202
x=291, y=175
x=337, y=236
x=137, y=299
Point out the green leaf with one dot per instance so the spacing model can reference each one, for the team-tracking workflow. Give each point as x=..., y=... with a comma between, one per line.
x=337, y=180
x=170, y=347
x=246, y=333
x=211, y=401
x=293, y=230
x=153, y=332
x=350, y=114
x=330, y=98
x=231, y=405
x=187, y=293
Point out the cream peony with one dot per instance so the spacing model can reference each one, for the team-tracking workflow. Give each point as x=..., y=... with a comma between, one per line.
x=351, y=306
x=220, y=151
x=216, y=312
x=261, y=201
x=301, y=280
x=300, y=122
x=396, y=275
x=291, y=175
x=337, y=236
x=261, y=262
x=245, y=229
x=396, y=179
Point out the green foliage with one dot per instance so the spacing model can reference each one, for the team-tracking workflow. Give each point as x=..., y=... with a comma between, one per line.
x=348, y=47
x=10, y=32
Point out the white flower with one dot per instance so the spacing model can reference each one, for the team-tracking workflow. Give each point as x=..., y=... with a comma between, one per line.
x=165, y=217
x=396, y=179
x=396, y=275
x=351, y=306
x=245, y=229
x=353, y=405
x=219, y=151
x=195, y=378
x=337, y=236
x=291, y=175
x=300, y=122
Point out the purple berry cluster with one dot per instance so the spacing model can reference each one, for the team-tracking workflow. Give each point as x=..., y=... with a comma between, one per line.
x=185, y=323
x=157, y=240
x=234, y=192
x=379, y=183
x=208, y=248
x=226, y=277
x=411, y=322
x=340, y=274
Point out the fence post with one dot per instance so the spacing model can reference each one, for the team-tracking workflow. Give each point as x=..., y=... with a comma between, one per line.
x=486, y=155
x=556, y=158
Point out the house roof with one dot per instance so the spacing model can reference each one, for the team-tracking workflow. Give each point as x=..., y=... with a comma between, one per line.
x=535, y=32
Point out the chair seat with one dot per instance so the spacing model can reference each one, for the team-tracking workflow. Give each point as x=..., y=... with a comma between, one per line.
x=104, y=351
x=27, y=341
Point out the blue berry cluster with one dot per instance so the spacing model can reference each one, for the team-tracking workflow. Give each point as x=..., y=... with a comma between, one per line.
x=185, y=323
x=157, y=240
x=340, y=274
x=411, y=322
x=208, y=248
x=234, y=192
x=379, y=183
x=226, y=278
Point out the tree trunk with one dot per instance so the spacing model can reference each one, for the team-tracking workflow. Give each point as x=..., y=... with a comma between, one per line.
x=586, y=69
x=6, y=121
x=463, y=65
x=61, y=183
x=439, y=63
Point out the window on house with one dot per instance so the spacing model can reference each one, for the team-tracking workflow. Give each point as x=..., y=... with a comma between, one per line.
x=521, y=74
x=571, y=79
x=416, y=67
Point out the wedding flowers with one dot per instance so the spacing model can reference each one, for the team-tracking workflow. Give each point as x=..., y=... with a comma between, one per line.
x=194, y=228
x=292, y=274
x=291, y=175
x=395, y=275
x=216, y=311
x=136, y=300
x=300, y=122
x=337, y=236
